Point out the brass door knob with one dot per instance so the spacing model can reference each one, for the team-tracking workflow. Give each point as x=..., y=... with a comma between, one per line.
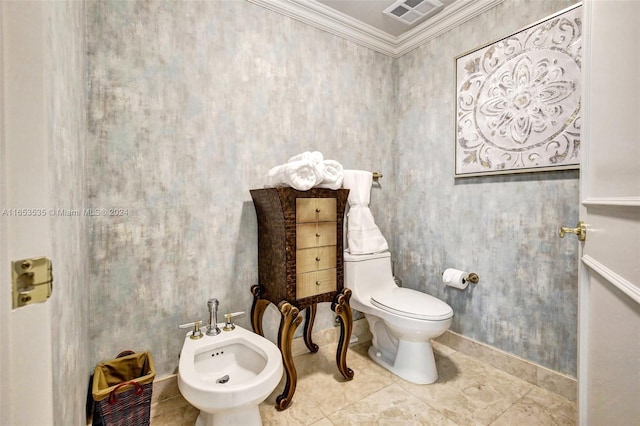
x=580, y=230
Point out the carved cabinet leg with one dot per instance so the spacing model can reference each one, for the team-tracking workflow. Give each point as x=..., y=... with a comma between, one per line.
x=341, y=307
x=289, y=321
x=308, y=328
x=257, y=309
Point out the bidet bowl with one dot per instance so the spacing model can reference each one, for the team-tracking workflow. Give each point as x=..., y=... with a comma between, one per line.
x=228, y=371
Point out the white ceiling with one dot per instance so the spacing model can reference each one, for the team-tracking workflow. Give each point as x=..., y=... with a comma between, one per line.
x=370, y=12
x=363, y=22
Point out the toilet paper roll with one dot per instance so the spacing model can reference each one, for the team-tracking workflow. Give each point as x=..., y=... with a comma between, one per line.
x=455, y=278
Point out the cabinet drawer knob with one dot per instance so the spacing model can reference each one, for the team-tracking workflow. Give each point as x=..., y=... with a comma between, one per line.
x=317, y=210
x=318, y=283
x=317, y=234
x=318, y=259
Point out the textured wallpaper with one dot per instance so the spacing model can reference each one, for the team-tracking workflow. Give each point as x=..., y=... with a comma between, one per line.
x=504, y=228
x=66, y=132
x=191, y=103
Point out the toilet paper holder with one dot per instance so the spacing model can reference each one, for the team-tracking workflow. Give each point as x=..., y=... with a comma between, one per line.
x=472, y=278
x=459, y=279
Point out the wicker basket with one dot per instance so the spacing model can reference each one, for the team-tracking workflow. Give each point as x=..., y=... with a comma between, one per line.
x=122, y=390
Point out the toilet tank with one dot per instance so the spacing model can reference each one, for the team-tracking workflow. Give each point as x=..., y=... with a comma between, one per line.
x=365, y=273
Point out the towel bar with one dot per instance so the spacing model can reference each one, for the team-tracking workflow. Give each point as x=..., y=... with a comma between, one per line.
x=376, y=176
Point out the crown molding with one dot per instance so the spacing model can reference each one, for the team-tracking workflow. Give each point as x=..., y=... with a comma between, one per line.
x=452, y=16
x=337, y=23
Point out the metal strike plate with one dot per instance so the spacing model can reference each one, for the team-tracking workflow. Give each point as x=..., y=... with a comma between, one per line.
x=32, y=281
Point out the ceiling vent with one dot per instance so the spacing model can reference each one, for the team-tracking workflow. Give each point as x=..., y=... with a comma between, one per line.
x=411, y=11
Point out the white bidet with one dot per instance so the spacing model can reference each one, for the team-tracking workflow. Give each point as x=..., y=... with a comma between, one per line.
x=227, y=376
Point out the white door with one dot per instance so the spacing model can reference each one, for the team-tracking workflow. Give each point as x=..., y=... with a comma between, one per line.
x=26, y=380
x=609, y=292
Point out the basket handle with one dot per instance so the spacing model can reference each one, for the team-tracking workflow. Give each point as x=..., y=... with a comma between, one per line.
x=112, y=396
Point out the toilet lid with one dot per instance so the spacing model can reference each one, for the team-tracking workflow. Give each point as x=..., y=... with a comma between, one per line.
x=413, y=304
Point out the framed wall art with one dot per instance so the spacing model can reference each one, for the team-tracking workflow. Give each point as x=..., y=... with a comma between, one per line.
x=518, y=100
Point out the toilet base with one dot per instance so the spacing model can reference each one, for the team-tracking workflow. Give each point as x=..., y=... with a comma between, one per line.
x=246, y=416
x=414, y=361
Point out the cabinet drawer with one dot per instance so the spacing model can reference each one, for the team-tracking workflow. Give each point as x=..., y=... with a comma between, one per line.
x=315, y=234
x=316, y=258
x=313, y=283
x=315, y=210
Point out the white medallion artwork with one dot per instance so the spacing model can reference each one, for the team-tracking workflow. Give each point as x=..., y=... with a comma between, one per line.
x=518, y=100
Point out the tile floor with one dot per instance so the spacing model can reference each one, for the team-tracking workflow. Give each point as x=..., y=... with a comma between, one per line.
x=467, y=392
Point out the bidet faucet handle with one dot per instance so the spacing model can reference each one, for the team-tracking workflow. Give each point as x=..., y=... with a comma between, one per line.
x=228, y=325
x=197, y=333
x=191, y=324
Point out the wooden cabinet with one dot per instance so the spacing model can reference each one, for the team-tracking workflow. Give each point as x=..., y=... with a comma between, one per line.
x=300, y=264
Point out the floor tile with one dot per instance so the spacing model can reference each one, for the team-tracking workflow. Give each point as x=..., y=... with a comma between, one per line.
x=302, y=411
x=468, y=391
x=321, y=389
x=539, y=407
x=323, y=422
x=321, y=381
x=175, y=412
x=389, y=406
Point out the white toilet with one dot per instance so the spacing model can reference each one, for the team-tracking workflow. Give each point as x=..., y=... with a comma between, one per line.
x=227, y=376
x=402, y=321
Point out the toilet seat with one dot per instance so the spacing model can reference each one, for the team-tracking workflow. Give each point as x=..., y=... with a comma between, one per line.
x=412, y=304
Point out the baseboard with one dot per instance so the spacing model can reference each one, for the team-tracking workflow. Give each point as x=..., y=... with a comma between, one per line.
x=528, y=371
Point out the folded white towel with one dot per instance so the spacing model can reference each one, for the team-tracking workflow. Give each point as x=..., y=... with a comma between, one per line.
x=305, y=171
x=301, y=175
x=332, y=174
x=312, y=157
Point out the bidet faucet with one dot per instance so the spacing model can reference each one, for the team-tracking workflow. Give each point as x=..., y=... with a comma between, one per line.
x=212, y=329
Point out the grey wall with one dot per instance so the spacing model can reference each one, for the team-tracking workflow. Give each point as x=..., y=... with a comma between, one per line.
x=190, y=103
x=502, y=227
x=65, y=63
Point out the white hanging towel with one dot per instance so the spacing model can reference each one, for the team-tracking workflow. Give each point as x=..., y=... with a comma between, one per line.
x=363, y=235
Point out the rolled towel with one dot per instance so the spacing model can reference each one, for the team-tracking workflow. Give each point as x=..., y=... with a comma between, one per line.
x=301, y=175
x=332, y=174
x=312, y=157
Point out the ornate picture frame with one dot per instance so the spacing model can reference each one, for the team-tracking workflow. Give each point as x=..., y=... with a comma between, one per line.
x=518, y=100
